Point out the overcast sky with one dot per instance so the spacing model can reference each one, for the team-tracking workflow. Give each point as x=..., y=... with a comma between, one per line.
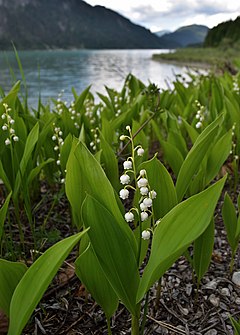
x=171, y=14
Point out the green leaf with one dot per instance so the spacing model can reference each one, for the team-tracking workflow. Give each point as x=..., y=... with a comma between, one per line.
x=195, y=156
x=203, y=247
x=10, y=275
x=35, y=171
x=192, y=132
x=85, y=175
x=177, y=230
x=34, y=283
x=236, y=325
x=113, y=250
x=218, y=155
x=29, y=146
x=173, y=156
x=230, y=220
x=110, y=162
x=80, y=100
x=3, y=213
x=160, y=181
x=4, y=178
x=92, y=276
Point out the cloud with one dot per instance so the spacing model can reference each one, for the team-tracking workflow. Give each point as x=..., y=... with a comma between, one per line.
x=171, y=14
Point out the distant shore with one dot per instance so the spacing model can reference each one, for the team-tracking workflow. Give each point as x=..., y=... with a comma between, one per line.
x=202, y=58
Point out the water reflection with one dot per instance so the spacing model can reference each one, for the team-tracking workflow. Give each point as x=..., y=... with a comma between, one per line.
x=51, y=71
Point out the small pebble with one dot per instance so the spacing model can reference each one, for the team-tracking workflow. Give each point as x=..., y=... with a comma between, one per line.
x=211, y=332
x=236, y=278
x=237, y=300
x=225, y=291
x=214, y=300
x=212, y=285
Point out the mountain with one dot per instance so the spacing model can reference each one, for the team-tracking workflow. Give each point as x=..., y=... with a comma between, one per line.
x=41, y=24
x=184, y=36
x=224, y=34
x=162, y=32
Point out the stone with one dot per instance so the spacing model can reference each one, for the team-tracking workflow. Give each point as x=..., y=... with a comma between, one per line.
x=225, y=291
x=236, y=278
x=212, y=285
x=215, y=301
x=211, y=332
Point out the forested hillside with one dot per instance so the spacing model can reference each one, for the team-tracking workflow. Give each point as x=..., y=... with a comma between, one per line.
x=44, y=24
x=226, y=33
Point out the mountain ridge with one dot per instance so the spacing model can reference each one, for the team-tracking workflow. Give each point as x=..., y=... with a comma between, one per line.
x=44, y=24
x=186, y=35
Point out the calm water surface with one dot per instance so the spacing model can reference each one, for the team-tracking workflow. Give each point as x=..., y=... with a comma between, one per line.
x=49, y=72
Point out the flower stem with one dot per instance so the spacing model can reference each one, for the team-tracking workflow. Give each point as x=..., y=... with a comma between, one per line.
x=135, y=325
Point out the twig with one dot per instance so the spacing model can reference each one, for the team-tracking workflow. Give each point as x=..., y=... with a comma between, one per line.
x=167, y=326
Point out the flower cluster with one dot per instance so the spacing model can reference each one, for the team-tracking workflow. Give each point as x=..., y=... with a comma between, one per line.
x=146, y=194
x=233, y=150
x=200, y=114
x=236, y=87
x=58, y=143
x=117, y=104
x=74, y=115
x=96, y=140
x=8, y=125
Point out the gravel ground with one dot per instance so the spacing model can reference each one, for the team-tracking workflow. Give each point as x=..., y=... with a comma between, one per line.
x=181, y=308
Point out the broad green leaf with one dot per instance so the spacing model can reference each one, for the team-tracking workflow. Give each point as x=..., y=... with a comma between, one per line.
x=203, y=247
x=4, y=177
x=29, y=146
x=92, y=276
x=10, y=275
x=113, y=250
x=218, y=155
x=160, y=181
x=177, y=230
x=80, y=100
x=85, y=175
x=230, y=220
x=110, y=163
x=177, y=140
x=173, y=156
x=3, y=213
x=195, y=156
x=34, y=283
x=65, y=151
x=35, y=171
x=192, y=132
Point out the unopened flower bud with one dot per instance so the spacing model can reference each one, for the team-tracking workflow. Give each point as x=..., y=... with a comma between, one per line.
x=142, y=173
x=152, y=194
x=15, y=138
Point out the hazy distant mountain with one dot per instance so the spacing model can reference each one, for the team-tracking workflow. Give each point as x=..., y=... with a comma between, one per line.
x=162, y=32
x=38, y=24
x=184, y=36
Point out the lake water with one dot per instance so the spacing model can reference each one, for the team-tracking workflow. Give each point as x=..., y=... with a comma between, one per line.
x=49, y=72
